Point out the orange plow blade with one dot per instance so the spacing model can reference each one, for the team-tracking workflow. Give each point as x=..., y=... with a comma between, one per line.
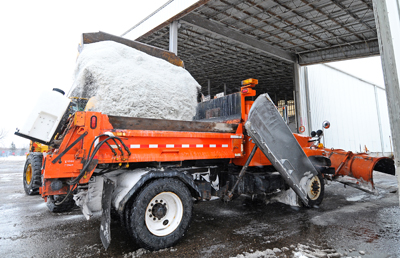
x=356, y=169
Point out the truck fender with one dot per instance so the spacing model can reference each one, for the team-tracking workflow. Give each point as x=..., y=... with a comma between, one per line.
x=322, y=164
x=151, y=175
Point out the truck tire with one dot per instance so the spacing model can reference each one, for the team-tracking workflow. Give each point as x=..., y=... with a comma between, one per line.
x=33, y=173
x=315, y=190
x=66, y=206
x=160, y=214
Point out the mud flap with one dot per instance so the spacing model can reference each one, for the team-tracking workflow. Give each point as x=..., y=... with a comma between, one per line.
x=270, y=133
x=105, y=229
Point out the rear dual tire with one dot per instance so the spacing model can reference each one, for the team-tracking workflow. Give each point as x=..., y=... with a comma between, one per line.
x=67, y=205
x=160, y=214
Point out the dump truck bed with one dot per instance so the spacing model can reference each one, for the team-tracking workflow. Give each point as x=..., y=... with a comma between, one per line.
x=144, y=140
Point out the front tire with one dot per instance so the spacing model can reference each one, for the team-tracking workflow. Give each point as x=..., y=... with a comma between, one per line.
x=315, y=190
x=160, y=214
x=33, y=173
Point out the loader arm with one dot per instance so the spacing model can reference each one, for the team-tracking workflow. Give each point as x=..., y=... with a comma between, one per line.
x=88, y=38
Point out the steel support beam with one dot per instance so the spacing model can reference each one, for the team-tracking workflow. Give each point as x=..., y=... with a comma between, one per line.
x=307, y=95
x=173, y=37
x=231, y=34
x=390, y=72
x=297, y=95
x=339, y=53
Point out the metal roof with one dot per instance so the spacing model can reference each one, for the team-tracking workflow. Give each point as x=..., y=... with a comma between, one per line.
x=228, y=41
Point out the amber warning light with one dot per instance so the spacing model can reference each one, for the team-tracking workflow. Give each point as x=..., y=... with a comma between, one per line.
x=249, y=81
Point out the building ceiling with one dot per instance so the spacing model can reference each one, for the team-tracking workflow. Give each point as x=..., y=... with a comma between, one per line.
x=227, y=41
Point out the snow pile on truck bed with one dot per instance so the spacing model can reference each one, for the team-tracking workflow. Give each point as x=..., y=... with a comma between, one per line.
x=128, y=82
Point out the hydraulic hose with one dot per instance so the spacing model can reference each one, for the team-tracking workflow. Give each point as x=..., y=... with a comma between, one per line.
x=89, y=160
x=95, y=150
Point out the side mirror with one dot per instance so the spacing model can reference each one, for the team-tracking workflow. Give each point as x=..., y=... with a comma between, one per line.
x=326, y=124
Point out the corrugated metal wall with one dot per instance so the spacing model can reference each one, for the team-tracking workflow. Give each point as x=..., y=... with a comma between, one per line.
x=353, y=106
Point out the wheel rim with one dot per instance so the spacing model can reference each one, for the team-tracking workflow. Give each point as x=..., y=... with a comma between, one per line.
x=164, y=214
x=28, y=174
x=314, y=188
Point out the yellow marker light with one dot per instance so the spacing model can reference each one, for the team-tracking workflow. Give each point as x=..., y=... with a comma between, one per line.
x=320, y=146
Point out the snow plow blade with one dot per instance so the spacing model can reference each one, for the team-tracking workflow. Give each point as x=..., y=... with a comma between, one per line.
x=356, y=169
x=274, y=138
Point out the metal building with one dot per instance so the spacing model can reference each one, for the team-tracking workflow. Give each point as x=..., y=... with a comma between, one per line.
x=225, y=41
x=356, y=109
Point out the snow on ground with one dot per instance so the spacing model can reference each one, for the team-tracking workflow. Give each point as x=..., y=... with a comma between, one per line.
x=13, y=158
x=300, y=251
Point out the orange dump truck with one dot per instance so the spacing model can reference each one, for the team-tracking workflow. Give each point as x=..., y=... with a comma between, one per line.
x=149, y=171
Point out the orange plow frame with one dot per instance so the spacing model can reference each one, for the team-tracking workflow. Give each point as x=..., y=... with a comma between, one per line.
x=355, y=169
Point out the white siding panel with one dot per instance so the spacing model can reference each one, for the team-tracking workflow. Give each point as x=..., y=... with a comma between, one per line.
x=386, y=133
x=349, y=104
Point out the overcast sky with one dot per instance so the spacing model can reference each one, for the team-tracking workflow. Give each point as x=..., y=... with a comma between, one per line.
x=39, y=48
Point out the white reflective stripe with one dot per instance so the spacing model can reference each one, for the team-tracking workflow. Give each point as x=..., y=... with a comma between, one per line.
x=153, y=145
x=213, y=145
x=185, y=145
x=170, y=145
x=114, y=146
x=236, y=136
x=238, y=154
x=224, y=145
x=199, y=145
x=135, y=146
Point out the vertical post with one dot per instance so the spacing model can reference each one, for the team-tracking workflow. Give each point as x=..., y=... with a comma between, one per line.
x=296, y=94
x=307, y=92
x=379, y=118
x=224, y=89
x=275, y=99
x=390, y=70
x=173, y=37
x=209, y=88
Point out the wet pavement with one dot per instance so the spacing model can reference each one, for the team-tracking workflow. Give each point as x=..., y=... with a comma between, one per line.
x=349, y=223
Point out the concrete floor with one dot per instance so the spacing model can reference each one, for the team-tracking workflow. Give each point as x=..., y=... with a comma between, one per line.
x=349, y=223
